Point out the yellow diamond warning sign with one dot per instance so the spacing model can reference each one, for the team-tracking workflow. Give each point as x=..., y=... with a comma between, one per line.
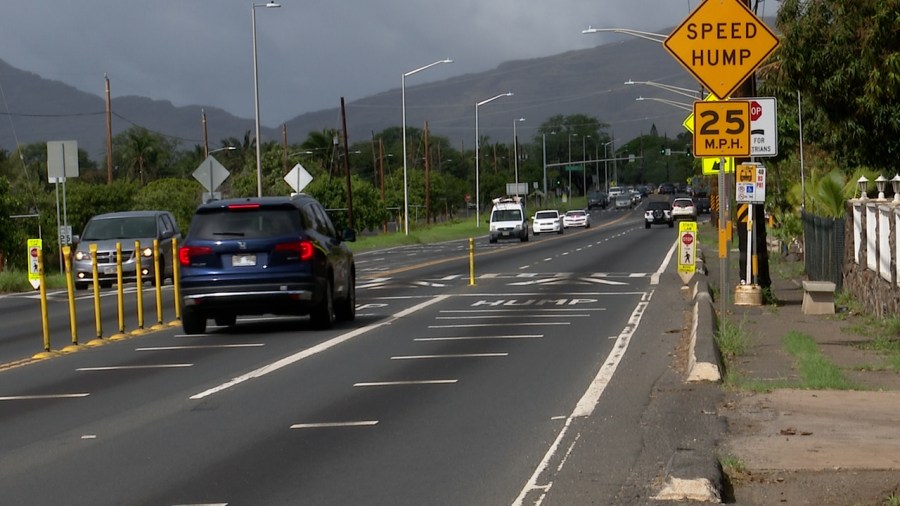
x=721, y=43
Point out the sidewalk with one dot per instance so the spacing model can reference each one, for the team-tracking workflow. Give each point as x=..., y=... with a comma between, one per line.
x=806, y=446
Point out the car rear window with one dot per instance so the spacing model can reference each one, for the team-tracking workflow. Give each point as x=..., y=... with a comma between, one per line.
x=653, y=206
x=683, y=203
x=244, y=223
x=543, y=215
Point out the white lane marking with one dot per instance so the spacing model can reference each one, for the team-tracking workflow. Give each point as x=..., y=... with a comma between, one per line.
x=403, y=383
x=429, y=284
x=495, y=316
x=603, y=281
x=286, y=361
x=475, y=338
x=42, y=397
x=450, y=355
x=329, y=425
x=132, y=367
x=199, y=347
x=520, y=324
x=654, y=278
x=531, y=310
x=589, y=400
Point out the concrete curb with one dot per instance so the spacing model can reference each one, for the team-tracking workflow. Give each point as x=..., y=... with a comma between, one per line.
x=705, y=362
x=695, y=475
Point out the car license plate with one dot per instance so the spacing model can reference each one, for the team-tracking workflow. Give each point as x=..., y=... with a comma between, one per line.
x=110, y=270
x=246, y=260
x=505, y=234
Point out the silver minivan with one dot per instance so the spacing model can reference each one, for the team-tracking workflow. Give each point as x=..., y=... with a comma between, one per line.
x=106, y=230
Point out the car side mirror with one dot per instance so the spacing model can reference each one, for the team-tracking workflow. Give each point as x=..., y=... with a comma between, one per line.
x=349, y=235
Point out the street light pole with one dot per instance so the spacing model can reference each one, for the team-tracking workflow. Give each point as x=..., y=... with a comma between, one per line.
x=403, y=107
x=606, y=165
x=267, y=5
x=477, y=156
x=516, y=152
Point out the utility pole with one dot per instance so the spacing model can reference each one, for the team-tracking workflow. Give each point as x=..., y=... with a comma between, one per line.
x=427, y=180
x=109, y=164
x=347, y=165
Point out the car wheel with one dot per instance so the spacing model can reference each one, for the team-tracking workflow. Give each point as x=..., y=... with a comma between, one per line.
x=81, y=286
x=346, y=308
x=322, y=315
x=560, y=231
x=671, y=224
x=193, y=322
x=225, y=320
x=646, y=224
x=492, y=240
x=525, y=237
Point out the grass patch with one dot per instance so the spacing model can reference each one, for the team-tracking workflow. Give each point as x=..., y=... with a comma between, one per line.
x=458, y=229
x=732, y=340
x=13, y=280
x=732, y=465
x=816, y=372
x=892, y=500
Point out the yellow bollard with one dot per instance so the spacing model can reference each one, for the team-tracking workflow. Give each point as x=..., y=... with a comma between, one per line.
x=120, y=293
x=176, y=278
x=45, y=320
x=97, y=319
x=158, y=285
x=471, y=261
x=70, y=288
x=140, y=288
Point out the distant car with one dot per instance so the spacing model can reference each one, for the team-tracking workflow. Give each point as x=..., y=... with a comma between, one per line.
x=266, y=255
x=576, y=218
x=547, y=221
x=597, y=199
x=658, y=212
x=615, y=191
x=701, y=202
x=508, y=220
x=125, y=228
x=683, y=208
x=666, y=189
x=623, y=201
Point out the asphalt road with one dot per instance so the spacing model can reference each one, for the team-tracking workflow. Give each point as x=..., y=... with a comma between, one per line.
x=441, y=392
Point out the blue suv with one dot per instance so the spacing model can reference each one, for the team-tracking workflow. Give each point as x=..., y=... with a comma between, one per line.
x=267, y=255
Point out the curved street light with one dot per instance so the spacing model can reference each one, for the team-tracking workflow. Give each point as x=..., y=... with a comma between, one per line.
x=403, y=107
x=673, y=103
x=687, y=92
x=655, y=37
x=267, y=5
x=477, y=161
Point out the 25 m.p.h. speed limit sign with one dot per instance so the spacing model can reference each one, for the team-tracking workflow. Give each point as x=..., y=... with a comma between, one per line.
x=722, y=128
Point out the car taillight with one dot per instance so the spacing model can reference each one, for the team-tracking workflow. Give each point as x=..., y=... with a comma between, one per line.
x=303, y=248
x=238, y=207
x=186, y=252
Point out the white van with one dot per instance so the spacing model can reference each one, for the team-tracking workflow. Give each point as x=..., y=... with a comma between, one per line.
x=508, y=219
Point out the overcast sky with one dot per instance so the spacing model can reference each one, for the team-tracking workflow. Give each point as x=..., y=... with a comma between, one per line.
x=310, y=52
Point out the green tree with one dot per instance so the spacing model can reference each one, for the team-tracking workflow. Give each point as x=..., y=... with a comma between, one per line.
x=142, y=155
x=844, y=59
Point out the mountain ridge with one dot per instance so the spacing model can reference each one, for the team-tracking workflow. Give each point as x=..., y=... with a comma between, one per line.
x=587, y=81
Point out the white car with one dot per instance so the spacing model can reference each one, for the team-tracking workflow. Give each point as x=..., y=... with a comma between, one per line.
x=547, y=221
x=576, y=218
x=683, y=208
